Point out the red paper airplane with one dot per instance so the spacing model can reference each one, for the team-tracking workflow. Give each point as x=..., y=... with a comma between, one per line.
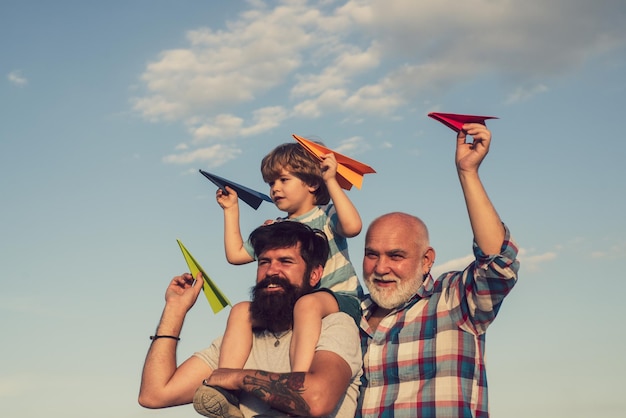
x=455, y=122
x=349, y=172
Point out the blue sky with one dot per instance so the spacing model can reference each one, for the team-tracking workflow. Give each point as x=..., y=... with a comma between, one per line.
x=108, y=110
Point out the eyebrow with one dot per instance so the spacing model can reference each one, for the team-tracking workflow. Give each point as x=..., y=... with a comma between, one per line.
x=282, y=258
x=396, y=251
x=393, y=251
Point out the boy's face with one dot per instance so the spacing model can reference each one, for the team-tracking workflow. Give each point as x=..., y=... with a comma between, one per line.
x=292, y=195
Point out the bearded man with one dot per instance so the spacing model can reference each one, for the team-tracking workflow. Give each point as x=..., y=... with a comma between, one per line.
x=424, y=340
x=290, y=257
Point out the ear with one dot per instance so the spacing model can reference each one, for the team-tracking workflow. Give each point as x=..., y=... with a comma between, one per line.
x=313, y=188
x=316, y=276
x=428, y=260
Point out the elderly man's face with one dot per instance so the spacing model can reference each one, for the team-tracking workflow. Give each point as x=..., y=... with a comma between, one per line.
x=393, y=267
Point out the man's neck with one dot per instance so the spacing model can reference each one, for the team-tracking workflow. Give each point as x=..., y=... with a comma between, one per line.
x=377, y=315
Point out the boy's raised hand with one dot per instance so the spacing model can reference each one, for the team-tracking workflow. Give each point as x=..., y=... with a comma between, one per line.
x=329, y=166
x=227, y=201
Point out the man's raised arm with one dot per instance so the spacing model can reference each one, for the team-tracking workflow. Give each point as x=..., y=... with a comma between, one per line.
x=486, y=224
x=162, y=383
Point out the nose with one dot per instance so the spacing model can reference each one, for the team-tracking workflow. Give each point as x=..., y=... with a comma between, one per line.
x=272, y=268
x=381, y=267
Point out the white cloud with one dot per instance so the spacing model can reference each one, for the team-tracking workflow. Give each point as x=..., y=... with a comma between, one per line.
x=157, y=107
x=228, y=67
x=506, y=37
x=348, y=63
x=611, y=252
x=225, y=126
x=533, y=262
x=16, y=78
x=366, y=57
x=212, y=156
x=523, y=94
x=456, y=264
x=329, y=100
x=528, y=262
x=352, y=146
x=374, y=99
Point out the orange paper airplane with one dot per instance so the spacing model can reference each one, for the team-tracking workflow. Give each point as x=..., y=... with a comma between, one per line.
x=349, y=172
x=455, y=121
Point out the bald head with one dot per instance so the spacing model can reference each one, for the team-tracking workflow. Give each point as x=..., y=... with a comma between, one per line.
x=396, y=222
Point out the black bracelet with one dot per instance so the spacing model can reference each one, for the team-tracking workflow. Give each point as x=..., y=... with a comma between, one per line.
x=156, y=337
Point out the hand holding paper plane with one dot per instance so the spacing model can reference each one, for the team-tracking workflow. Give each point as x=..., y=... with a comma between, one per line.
x=455, y=121
x=251, y=197
x=214, y=295
x=349, y=172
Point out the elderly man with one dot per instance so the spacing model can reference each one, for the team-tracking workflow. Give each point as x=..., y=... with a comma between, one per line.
x=423, y=339
x=291, y=258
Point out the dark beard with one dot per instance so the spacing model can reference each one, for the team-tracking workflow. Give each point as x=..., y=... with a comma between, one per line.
x=273, y=311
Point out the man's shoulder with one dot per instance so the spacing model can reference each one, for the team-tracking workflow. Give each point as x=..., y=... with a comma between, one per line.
x=339, y=334
x=337, y=319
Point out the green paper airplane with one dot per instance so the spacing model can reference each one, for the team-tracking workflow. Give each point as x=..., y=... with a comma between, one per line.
x=214, y=295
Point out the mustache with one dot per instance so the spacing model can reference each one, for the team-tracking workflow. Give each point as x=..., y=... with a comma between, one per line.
x=268, y=281
x=384, y=279
x=272, y=280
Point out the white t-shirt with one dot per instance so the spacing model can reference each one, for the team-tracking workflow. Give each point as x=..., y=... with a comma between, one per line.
x=339, y=335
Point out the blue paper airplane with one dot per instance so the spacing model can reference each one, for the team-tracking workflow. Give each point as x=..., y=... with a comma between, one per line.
x=251, y=197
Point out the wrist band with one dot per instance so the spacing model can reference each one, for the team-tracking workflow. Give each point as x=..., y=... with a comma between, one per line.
x=156, y=337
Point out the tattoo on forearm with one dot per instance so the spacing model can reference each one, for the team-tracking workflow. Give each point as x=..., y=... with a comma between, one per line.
x=280, y=390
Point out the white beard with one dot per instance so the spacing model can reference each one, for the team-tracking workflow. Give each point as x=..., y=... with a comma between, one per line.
x=390, y=298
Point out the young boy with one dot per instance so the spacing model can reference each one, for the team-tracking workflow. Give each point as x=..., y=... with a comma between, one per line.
x=302, y=187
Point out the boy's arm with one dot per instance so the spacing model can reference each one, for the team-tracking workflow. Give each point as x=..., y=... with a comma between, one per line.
x=349, y=221
x=233, y=242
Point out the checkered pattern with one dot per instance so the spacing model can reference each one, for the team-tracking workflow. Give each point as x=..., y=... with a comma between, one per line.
x=427, y=359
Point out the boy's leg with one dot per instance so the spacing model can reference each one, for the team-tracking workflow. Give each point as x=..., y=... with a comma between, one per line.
x=307, y=325
x=237, y=341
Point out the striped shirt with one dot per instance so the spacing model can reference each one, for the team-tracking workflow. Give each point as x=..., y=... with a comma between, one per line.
x=427, y=358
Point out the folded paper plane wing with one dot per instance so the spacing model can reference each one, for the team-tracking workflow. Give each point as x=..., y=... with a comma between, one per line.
x=455, y=121
x=214, y=295
x=251, y=197
x=349, y=172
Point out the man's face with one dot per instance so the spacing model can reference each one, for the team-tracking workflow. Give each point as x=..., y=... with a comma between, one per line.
x=393, y=264
x=286, y=263
x=282, y=277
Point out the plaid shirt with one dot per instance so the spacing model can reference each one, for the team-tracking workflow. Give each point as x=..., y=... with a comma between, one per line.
x=427, y=358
